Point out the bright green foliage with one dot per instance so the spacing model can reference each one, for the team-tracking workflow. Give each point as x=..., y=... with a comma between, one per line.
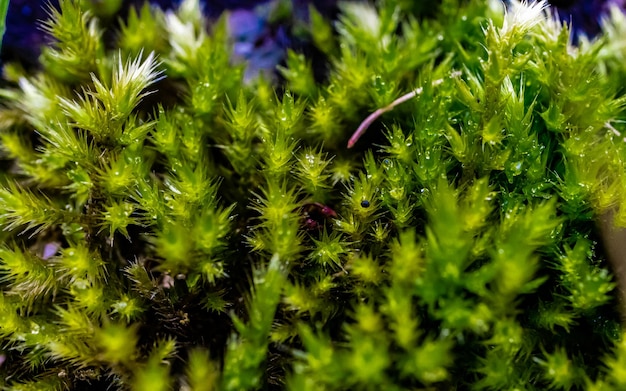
x=79, y=45
x=4, y=8
x=246, y=352
x=202, y=374
x=28, y=276
x=142, y=31
x=588, y=285
x=168, y=225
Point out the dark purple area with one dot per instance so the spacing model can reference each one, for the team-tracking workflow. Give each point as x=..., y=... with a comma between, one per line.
x=23, y=36
x=260, y=38
x=257, y=40
x=585, y=15
x=211, y=8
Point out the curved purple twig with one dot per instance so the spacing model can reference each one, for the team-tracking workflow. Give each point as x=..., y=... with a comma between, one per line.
x=372, y=117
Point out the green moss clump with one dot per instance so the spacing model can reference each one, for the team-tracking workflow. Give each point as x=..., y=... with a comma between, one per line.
x=168, y=226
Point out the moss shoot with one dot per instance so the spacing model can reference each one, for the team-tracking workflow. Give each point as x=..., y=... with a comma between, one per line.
x=168, y=223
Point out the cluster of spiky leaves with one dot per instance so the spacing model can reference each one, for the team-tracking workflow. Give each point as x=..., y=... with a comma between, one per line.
x=166, y=226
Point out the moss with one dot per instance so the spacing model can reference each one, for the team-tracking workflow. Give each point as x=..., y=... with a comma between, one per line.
x=170, y=225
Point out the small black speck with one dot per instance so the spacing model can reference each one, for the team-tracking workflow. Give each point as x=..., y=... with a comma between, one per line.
x=365, y=204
